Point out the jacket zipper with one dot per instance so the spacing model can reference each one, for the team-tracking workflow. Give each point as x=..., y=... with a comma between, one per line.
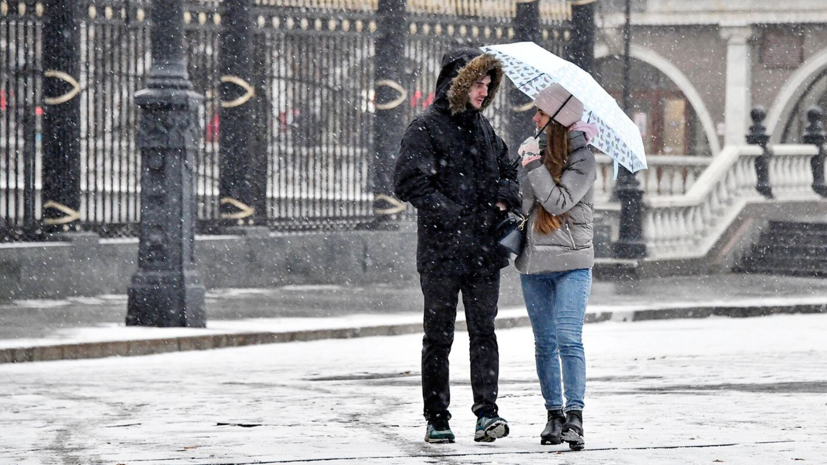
x=573, y=244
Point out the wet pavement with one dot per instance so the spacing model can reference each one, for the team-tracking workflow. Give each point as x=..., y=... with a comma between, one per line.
x=702, y=391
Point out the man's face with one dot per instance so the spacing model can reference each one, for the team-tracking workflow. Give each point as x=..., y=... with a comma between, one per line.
x=479, y=91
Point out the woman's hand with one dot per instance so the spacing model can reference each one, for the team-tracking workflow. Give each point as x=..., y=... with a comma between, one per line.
x=529, y=150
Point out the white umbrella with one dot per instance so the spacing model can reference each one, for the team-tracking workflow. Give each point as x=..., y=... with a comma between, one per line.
x=532, y=68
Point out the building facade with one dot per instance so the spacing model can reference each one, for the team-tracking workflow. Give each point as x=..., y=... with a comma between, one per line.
x=698, y=68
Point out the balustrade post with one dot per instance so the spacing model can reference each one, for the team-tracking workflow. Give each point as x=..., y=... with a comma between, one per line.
x=758, y=136
x=166, y=290
x=243, y=170
x=61, y=171
x=814, y=134
x=390, y=99
x=526, y=24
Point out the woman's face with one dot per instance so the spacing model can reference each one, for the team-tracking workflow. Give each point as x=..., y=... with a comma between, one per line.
x=540, y=119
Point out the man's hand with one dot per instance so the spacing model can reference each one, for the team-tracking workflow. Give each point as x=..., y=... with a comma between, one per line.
x=529, y=150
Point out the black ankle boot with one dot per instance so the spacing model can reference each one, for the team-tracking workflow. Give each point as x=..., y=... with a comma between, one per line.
x=573, y=430
x=552, y=434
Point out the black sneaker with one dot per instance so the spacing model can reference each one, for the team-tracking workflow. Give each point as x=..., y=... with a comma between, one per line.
x=573, y=430
x=438, y=431
x=490, y=428
x=552, y=434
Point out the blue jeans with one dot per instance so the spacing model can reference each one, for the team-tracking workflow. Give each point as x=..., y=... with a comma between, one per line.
x=556, y=304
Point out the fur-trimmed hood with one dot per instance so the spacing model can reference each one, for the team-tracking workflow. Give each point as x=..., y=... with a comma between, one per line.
x=461, y=68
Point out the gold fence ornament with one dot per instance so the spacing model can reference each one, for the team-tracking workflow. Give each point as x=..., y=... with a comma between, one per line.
x=66, y=78
x=249, y=92
x=244, y=210
x=398, y=207
x=403, y=95
x=521, y=108
x=71, y=214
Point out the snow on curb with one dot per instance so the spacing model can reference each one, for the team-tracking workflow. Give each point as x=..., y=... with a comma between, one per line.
x=117, y=340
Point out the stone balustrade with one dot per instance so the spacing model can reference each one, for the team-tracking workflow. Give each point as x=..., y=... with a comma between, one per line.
x=688, y=225
x=667, y=175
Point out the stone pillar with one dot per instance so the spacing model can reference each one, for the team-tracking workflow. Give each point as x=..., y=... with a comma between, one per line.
x=581, y=49
x=738, y=83
x=526, y=25
x=166, y=290
x=243, y=171
x=61, y=116
x=390, y=100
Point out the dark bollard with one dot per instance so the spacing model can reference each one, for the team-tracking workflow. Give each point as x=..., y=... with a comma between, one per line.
x=630, y=243
x=814, y=134
x=758, y=136
x=166, y=291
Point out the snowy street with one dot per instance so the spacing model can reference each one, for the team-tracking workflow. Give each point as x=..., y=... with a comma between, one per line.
x=715, y=390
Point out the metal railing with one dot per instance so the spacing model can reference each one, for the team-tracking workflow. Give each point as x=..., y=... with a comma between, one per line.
x=314, y=87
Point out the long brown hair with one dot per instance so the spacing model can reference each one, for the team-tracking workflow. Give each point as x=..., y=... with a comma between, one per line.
x=554, y=158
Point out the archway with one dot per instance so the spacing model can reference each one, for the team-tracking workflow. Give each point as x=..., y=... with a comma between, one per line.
x=675, y=86
x=807, y=86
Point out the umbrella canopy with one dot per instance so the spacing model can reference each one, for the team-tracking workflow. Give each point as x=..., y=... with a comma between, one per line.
x=532, y=68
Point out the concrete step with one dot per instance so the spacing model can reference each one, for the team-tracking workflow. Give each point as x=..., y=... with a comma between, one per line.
x=789, y=250
x=775, y=262
x=781, y=271
x=792, y=239
x=798, y=227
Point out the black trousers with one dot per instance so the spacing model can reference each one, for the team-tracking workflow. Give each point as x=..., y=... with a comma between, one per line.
x=480, y=293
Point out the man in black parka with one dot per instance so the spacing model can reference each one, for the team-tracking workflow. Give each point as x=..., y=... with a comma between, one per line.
x=457, y=173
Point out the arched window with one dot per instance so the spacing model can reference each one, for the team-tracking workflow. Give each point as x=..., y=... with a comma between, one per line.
x=815, y=94
x=666, y=119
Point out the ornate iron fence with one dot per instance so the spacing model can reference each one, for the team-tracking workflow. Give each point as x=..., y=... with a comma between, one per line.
x=21, y=86
x=114, y=57
x=314, y=85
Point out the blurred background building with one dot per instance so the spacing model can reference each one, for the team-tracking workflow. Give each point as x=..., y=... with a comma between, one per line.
x=699, y=66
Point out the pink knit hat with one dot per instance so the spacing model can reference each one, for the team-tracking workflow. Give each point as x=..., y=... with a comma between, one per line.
x=558, y=103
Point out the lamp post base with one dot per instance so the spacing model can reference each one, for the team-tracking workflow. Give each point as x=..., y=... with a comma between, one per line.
x=166, y=299
x=629, y=250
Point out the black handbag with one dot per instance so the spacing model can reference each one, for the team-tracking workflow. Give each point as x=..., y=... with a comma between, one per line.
x=511, y=234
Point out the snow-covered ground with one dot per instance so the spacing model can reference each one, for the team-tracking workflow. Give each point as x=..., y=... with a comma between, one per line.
x=716, y=390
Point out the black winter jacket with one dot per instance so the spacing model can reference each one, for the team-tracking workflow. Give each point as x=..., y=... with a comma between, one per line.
x=454, y=169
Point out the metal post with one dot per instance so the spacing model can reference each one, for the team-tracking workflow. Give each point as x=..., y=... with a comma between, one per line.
x=61, y=117
x=243, y=171
x=627, y=189
x=581, y=49
x=758, y=136
x=166, y=290
x=526, y=25
x=814, y=134
x=388, y=122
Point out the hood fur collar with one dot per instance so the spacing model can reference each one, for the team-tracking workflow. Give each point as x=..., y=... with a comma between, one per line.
x=471, y=73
